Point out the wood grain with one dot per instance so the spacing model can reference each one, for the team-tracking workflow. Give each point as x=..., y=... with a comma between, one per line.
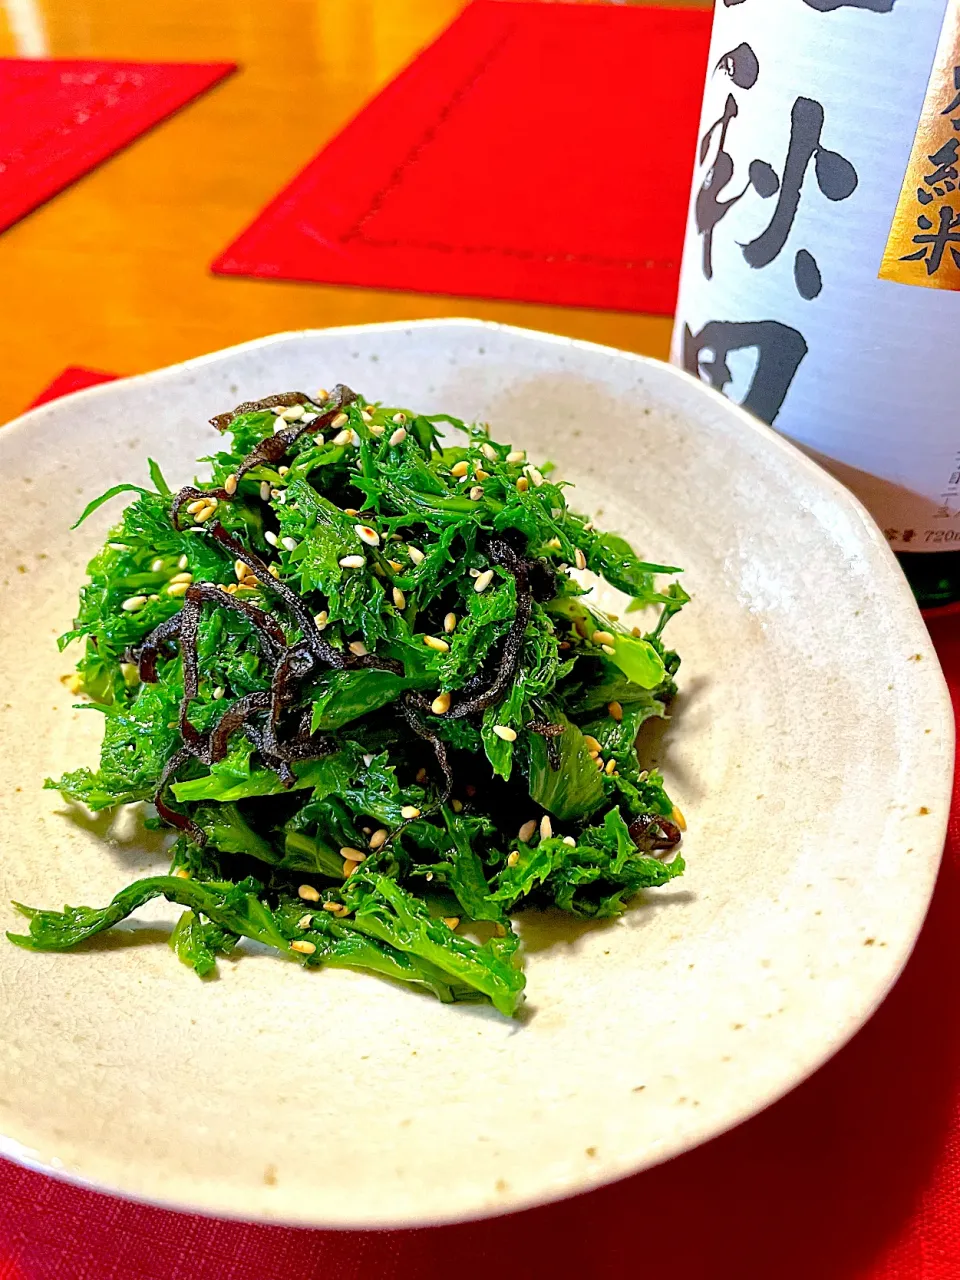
x=113, y=272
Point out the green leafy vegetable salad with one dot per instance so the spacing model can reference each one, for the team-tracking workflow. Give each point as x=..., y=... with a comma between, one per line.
x=355, y=674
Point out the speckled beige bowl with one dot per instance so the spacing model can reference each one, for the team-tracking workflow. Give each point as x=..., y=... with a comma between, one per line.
x=811, y=749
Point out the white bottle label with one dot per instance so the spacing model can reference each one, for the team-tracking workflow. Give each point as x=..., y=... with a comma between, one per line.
x=800, y=200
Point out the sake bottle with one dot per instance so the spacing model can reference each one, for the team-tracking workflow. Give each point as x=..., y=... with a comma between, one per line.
x=822, y=256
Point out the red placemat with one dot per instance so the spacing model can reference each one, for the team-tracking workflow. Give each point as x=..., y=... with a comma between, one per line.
x=853, y=1176
x=542, y=152
x=73, y=378
x=60, y=118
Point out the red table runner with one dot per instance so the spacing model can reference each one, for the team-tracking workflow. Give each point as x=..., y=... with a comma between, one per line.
x=541, y=152
x=59, y=118
x=853, y=1176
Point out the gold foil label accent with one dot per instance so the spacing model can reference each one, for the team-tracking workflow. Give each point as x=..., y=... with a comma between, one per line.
x=923, y=247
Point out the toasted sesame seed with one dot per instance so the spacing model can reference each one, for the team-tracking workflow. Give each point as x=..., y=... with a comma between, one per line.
x=289, y=544
x=679, y=819
x=450, y=921
x=377, y=428
x=365, y=417
x=441, y=704
x=516, y=455
x=222, y=586
x=399, y=417
x=569, y=840
x=416, y=555
x=609, y=650
x=449, y=623
x=156, y=566
x=602, y=637
x=349, y=854
x=264, y=491
x=349, y=867
x=205, y=514
x=378, y=838
x=197, y=505
x=588, y=526
x=481, y=475
x=546, y=827
x=273, y=570
x=133, y=603
x=305, y=921
x=183, y=562
x=615, y=709
x=525, y=834
x=476, y=493
x=398, y=436
x=505, y=732
x=483, y=581
x=293, y=413
x=335, y=908
x=367, y=535
x=305, y=948
x=456, y=805
x=182, y=873
x=594, y=755
x=421, y=775
x=513, y=858
x=230, y=485
x=322, y=396
x=460, y=469
x=592, y=743
x=434, y=642
x=350, y=511
x=358, y=648
x=283, y=471
x=351, y=562
x=610, y=765
x=523, y=484
x=598, y=760
x=180, y=577
x=339, y=420
x=308, y=893
x=232, y=588
x=536, y=477
x=579, y=559
x=399, y=599
x=240, y=569
x=409, y=811
x=342, y=437
x=489, y=452
x=395, y=565
x=321, y=619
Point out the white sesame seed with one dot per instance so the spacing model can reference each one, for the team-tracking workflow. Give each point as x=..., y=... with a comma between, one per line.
x=365, y=417
x=416, y=555
x=535, y=477
x=399, y=599
x=449, y=622
x=182, y=562
x=342, y=437
x=378, y=838
x=483, y=581
x=474, y=573
x=367, y=759
x=230, y=485
x=289, y=544
x=432, y=642
x=400, y=418
x=441, y=704
x=525, y=834
x=305, y=921
x=280, y=496
x=579, y=559
x=177, y=578
x=352, y=855
x=309, y=416
x=367, y=535
x=409, y=811
x=505, y=732
x=513, y=858
x=460, y=469
x=219, y=693
x=355, y=439
x=352, y=562
x=305, y=948
x=133, y=603
x=339, y=420
x=569, y=840
x=321, y=619
x=516, y=455
x=602, y=637
x=398, y=436
x=489, y=452
x=271, y=538
x=546, y=827
x=358, y=648
x=476, y=493
x=293, y=414
x=156, y=597
x=283, y=471
x=264, y=491
x=588, y=526
x=377, y=429
x=609, y=650
x=308, y=893
x=156, y=566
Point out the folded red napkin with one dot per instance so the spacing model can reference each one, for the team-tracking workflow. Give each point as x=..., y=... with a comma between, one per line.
x=74, y=378
x=542, y=152
x=853, y=1176
x=59, y=118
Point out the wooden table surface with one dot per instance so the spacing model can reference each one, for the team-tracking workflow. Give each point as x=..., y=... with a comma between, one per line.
x=113, y=273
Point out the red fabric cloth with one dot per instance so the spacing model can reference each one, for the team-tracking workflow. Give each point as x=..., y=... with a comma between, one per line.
x=73, y=378
x=542, y=152
x=61, y=118
x=853, y=1176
